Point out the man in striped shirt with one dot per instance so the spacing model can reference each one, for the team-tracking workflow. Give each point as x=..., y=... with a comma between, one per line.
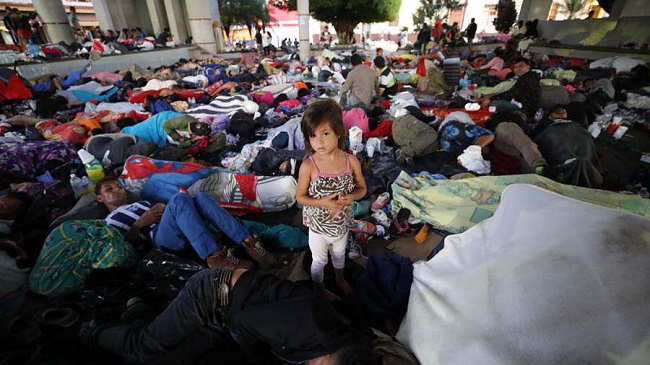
x=387, y=83
x=182, y=223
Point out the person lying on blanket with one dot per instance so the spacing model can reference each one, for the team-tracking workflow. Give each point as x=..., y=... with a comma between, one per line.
x=169, y=127
x=182, y=223
x=269, y=319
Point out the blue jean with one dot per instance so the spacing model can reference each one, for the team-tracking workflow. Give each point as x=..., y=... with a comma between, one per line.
x=190, y=221
x=191, y=325
x=72, y=79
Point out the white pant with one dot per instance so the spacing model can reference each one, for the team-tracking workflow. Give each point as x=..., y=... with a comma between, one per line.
x=320, y=245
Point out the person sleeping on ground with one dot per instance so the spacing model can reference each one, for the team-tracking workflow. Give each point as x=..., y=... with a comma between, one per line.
x=184, y=222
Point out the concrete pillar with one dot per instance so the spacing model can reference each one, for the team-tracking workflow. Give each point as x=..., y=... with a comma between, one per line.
x=158, y=16
x=217, y=28
x=144, y=19
x=55, y=21
x=617, y=9
x=199, y=14
x=303, y=29
x=176, y=19
x=535, y=9
x=103, y=15
x=635, y=8
x=117, y=14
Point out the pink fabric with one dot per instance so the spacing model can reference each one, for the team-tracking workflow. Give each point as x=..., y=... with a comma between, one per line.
x=107, y=76
x=356, y=116
x=290, y=103
x=263, y=97
x=495, y=64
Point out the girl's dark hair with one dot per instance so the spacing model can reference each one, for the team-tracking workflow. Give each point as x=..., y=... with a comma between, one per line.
x=323, y=111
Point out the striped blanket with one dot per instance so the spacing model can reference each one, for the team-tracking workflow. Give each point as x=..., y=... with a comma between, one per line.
x=223, y=105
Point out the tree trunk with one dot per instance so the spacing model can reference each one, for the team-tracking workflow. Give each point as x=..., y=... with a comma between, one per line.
x=227, y=29
x=345, y=31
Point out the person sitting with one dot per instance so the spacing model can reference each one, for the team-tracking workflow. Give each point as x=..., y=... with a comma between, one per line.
x=138, y=34
x=360, y=83
x=164, y=38
x=124, y=35
x=386, y=80
x=494, y=66
x=110, y=36
x=182, y=223
x=526, y=91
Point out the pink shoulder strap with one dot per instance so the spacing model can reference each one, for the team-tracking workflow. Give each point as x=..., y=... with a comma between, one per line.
x=313, y=162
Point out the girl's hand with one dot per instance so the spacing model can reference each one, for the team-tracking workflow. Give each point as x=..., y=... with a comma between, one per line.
x=331, y=203
x=345, y=199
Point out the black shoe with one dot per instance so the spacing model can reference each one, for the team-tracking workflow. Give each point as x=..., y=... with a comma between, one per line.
x=136, y=311
x=88, y=334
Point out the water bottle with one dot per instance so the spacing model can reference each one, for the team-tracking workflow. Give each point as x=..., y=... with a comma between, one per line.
x=464, y=82
x=87, y=185
x=77, y=185
x=355, y=134
x=94, y=168
x=539, y=115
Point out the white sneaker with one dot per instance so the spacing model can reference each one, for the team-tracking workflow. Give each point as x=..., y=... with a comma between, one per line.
x=354, y=250
x=381, y=218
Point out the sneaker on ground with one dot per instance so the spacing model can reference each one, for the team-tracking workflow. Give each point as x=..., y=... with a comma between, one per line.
x=381, y=218
x=224, y=259
x=381, y=201
x=362, y=226
x=354, y=250
x=258, y=253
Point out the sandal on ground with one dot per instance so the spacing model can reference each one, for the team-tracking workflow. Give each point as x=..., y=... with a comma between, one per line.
x=17, y=330
x=57, y=317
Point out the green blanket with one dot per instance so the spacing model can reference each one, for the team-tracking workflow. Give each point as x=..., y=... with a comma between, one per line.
x=73, y=250
x=457, y=205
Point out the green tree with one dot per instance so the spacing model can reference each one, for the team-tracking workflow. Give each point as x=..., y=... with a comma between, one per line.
x=573, y=7
x=506, y=16
x=432, y=10
x=345, y=15
x=243, y=12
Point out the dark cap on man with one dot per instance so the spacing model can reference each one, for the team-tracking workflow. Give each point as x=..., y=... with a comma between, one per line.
x=200, y=129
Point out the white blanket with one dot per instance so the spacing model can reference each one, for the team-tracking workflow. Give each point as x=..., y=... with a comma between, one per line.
x=546, y=280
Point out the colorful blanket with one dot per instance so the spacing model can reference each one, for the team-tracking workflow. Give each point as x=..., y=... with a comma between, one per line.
x=26, y=161
x=73, y=250
x=457, y=205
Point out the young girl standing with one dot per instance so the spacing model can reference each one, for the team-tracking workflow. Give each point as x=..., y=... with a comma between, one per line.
x=328, y=182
